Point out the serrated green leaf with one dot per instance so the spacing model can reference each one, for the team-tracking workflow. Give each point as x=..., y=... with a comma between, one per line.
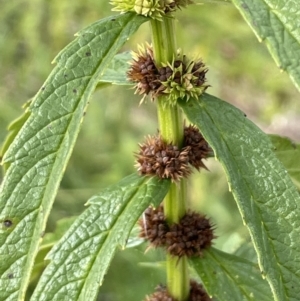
x=267, y=199
x=14, y=128
x=116, y=72
x=48, y=242
x=288, y=153
x=39, y=153
x=277, y=24
x=80, y=260
x=228, y=277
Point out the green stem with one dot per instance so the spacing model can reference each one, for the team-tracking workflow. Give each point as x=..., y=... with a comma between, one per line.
x=164, y=40
x=171, y=130
x=178, y=277
x=171, y=38
x=170, y=122
x=158, y=40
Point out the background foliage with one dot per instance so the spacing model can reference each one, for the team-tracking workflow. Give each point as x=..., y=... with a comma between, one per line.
x=241, y=71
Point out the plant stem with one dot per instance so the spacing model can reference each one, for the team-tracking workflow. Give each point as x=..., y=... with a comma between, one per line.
x=171, y=38
x=178, y=277
x=170, y=122
x=171, y=130
x=158, y=41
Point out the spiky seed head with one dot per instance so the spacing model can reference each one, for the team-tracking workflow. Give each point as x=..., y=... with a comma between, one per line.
x=150, y=8
x=197, y=292
x=177, y=4
x=180, y=79
x=153, y=226
x=144, y=73
x=160, y=294
x=190, y=236
x=199, y=148
x=183, y=78
x=158, y=158
x=154, y=9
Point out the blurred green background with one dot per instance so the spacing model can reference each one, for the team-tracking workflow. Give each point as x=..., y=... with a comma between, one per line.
x=241, y=72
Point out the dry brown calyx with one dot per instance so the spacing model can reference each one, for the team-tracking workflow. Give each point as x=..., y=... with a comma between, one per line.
x=181, y=78
x=160, y=294
x=144, y=73
x=189, y=237
x=199, y=148
x=197, y=293
x=165, y=160
x=154, y=226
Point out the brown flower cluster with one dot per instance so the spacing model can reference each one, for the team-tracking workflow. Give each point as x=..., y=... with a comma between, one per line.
x=154, y=226
x=160, y=294
x=158, y=158
x=181, y=78
x=199, y=148
x=144, y=73
x=177, y=4
x=197, y=293
x=189, y=237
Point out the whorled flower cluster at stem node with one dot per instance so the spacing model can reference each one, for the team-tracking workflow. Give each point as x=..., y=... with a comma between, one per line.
x=165, y=160
x=197, y=293
x=199, y=148
x=189, y=237
x=161, y=159
x=182, y=78
x=154, y=9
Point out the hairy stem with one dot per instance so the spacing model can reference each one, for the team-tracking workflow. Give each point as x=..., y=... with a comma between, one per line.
x=171, y=130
